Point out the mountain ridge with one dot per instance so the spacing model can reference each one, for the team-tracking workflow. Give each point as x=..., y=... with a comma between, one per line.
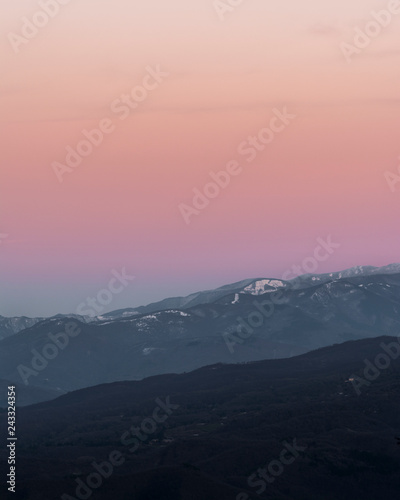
x=268, y=320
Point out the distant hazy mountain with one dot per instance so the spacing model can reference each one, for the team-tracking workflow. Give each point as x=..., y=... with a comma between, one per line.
x=205, y=297
x=309, y=279
x=9, y=326
x=316, y=314
x=255, y=286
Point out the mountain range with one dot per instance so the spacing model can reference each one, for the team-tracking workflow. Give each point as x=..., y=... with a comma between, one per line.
x=246, y=321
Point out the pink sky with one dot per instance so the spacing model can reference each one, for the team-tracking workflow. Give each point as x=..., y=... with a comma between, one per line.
x=323, y=175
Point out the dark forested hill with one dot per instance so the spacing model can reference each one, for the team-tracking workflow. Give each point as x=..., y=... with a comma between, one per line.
x=220, y=431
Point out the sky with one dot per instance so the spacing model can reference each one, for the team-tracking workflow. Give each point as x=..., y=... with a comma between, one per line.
x=304, y=123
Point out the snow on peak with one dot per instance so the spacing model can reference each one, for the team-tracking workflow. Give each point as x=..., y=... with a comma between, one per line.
x=259, y=287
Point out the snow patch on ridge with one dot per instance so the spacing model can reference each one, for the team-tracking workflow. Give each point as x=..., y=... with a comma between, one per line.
x=258, y=287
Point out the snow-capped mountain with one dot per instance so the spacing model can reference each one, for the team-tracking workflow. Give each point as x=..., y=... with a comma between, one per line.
x=252, y=286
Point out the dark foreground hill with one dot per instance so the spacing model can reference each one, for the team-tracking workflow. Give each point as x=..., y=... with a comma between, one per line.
x=209, y=433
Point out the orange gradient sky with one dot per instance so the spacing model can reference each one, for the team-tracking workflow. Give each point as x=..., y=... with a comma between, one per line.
x=323, y=175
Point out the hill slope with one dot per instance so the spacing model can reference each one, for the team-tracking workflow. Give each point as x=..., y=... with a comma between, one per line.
x=231, y=421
